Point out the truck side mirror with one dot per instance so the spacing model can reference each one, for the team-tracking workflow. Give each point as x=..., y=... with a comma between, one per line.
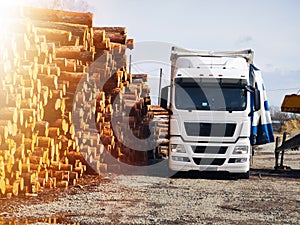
x=257, y=102
x=164, y=97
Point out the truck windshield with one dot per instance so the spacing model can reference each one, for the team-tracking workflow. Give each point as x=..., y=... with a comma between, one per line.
x=210, y=94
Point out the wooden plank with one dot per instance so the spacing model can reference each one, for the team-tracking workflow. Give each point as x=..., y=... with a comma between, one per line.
x=59, y=16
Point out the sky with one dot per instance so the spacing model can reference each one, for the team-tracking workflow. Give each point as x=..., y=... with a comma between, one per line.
x=269, y=27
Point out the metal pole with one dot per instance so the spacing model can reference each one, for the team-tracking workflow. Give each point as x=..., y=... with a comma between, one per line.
x=159, y=90
x=282, y=153
x=276, y=153
x=129, y=64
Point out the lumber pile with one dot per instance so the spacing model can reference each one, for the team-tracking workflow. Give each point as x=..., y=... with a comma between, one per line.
x=62, y=81
x=159, y=122
x=129, y=122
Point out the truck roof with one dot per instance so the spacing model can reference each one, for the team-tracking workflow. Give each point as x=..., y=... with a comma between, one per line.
x=247, y=54
x=212, y=73
x=211, y=63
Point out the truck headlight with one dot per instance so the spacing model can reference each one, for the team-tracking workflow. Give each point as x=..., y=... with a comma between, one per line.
x=177, y=148
x=238, y=150
x=180, y=159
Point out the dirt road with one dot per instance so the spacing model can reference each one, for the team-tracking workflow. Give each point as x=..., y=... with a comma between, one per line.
x=266, y=198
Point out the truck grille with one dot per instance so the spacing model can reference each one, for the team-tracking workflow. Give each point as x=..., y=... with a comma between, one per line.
x=210, y=129
x=209, y=161
x=209, y=149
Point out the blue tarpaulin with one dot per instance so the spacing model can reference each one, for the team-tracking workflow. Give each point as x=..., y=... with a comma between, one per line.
x=261, y=129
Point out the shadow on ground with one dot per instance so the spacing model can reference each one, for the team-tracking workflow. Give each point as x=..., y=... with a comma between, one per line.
x=205, y=175
x=289, y=173
x=293, y=174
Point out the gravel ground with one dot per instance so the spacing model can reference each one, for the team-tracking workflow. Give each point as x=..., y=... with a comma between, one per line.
x=189, y=198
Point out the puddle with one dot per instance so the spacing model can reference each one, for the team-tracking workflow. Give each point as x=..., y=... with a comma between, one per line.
x=37, y=221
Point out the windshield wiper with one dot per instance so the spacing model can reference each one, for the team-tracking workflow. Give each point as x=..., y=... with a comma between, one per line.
x=189, y=108
x=230, y=109
x=220, y=109
x=192, y=108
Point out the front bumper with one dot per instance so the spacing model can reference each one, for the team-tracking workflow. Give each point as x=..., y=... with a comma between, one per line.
x=205, y=161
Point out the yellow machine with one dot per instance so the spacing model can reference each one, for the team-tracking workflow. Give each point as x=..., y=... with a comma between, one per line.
x=291, y=103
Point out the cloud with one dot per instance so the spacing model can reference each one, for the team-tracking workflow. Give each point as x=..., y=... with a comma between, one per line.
x=245, y=40
x=279, y=83
x=268, y=67
x=279, y=71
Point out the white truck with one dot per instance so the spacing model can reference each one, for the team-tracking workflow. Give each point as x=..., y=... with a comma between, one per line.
x=213, y=102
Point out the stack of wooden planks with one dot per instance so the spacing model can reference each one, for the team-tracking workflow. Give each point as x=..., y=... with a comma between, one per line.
x=160, y=125
x=62, y=81
x=131, y=131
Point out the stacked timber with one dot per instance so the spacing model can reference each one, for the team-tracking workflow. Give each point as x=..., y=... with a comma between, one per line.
x=129, y=128
x=66, y=99
x=60, y=78
x=160, y=125
x=38, y=140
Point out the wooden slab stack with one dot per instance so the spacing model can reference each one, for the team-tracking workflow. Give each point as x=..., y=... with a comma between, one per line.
x=129, y=128
x=66, y=99
x=40, y=68
x=160, y=125
x=58, y=80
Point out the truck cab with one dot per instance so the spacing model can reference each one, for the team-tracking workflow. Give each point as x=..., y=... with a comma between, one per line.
x=210, y=105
